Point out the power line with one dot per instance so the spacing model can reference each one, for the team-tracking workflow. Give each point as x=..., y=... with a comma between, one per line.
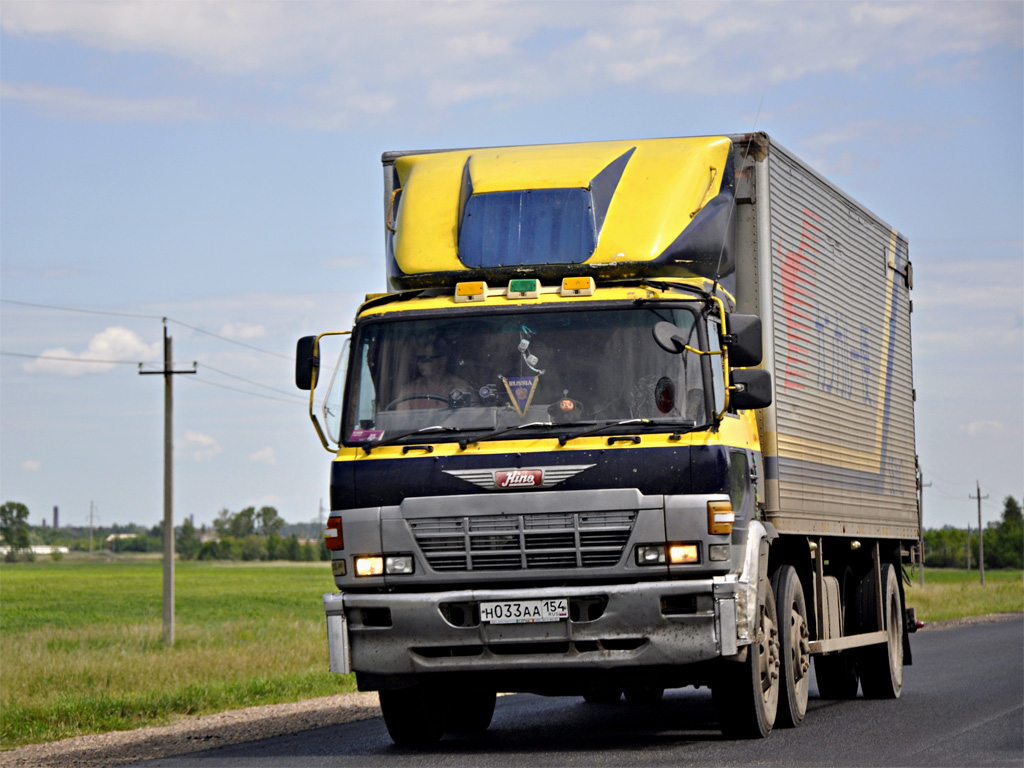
x=225, y=338
x=159, y=369
x=76, y=309
x=293, y=401
x=72, y=359
x=147, y=317
x=248, y=381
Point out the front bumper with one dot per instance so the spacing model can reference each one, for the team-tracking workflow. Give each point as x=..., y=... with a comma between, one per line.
x=651, y=623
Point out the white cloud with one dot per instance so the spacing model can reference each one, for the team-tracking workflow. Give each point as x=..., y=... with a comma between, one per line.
x=105, y=350
x=344, y=60
x=265, y=456
x=200, y=446
x=75, y=103
x=243, y=331
x=31, y=465
x=986, y=429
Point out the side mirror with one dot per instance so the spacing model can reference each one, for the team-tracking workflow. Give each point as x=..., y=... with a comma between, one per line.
x=750, y=388
x=307, y=362
x=669, y=337
x=744, y=340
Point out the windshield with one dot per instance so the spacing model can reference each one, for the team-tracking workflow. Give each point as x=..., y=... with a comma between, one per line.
x=482, y=373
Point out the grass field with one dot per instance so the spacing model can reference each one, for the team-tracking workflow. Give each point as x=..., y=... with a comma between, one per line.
x=82, y=641
x=951, y=593
x=83, y=652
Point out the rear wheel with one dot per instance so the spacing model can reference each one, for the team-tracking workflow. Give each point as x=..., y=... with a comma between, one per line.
x=644, y=695
x=602, y=697
x=836, y=673
x=794, y=641
x=881, y=666
x=746, y=698
x=412, y=717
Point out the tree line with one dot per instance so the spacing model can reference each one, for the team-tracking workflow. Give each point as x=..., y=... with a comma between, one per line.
x=949, y=547
x=251, y=534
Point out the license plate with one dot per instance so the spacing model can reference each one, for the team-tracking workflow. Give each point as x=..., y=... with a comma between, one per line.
x=524, y=611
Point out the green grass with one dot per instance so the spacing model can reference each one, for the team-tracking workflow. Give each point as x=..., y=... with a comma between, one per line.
x=950, y=593
x=83, y=652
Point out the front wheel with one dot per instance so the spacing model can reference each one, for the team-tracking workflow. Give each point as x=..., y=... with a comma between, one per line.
x=412, y=717
x=467, y=711
x=746, y=699
x=794, y=640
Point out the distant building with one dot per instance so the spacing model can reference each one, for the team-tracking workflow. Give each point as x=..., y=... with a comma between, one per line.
x=113, y=538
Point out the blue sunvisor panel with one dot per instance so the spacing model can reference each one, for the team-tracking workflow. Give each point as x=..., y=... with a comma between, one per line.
x=528, y=227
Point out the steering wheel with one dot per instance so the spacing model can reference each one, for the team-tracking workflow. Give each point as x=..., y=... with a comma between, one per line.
x=405, y=398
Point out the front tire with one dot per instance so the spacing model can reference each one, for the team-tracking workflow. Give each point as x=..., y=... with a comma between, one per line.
x=746, y=699
x=794, y=641
x=412, y=717
x=467, y=711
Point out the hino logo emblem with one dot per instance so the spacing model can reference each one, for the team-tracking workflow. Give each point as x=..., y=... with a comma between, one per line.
x=528, y=477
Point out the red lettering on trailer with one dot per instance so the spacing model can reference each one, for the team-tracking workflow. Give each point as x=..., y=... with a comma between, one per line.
x=796, y=274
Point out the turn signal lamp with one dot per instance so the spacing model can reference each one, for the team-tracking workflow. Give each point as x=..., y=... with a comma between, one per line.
x=524, y=288
x=332, y=533
x=474, y=291
x=720, y=517
x=577, y=286
x=680, y=554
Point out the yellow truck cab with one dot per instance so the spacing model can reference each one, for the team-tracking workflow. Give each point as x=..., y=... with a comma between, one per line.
x=594, y=440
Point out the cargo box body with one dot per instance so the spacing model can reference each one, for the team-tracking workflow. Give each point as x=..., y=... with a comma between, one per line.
x=832, y=285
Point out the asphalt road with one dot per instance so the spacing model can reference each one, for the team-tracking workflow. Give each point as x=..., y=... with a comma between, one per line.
x=962, y=705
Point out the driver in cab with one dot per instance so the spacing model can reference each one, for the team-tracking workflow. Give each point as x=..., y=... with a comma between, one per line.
x=433, y=385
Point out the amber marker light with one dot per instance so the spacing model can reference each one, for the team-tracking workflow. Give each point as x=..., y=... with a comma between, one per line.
x=333, y=537
x=720, y=518
x=577, y=286
x=681, y=554
x=471, y=291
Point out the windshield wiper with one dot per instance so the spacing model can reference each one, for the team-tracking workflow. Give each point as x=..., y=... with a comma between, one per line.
x=464, y=442
x=688, y=427
x=435, y=428
x=566, y=438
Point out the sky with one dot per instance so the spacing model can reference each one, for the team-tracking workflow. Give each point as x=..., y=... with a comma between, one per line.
x=217, y=164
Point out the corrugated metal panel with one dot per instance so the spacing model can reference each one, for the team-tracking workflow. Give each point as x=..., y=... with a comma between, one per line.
x=843, y=379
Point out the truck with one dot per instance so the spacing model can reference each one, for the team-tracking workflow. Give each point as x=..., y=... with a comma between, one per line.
x=631, y=416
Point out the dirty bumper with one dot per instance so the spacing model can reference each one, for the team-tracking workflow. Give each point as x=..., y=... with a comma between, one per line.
x=650, y=623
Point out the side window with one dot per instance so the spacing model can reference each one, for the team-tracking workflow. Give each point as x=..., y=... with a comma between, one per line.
x=739, y=482
x=717, y=373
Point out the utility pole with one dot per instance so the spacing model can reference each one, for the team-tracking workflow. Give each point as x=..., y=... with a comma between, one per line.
x=168, y=373
x=981, y=534
x=90, y=529
x=921, y=485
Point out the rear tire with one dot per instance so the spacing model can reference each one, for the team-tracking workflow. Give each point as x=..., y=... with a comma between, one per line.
x=412, y=716
x=746, y=698
x=881, y=666
x=645, y=695
x=794, y=642
x=836, y=673
x=602, y=697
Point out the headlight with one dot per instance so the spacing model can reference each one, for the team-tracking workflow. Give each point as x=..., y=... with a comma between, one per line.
x=378, y=565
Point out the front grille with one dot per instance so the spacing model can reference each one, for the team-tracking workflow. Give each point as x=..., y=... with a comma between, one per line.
x=523, y=542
